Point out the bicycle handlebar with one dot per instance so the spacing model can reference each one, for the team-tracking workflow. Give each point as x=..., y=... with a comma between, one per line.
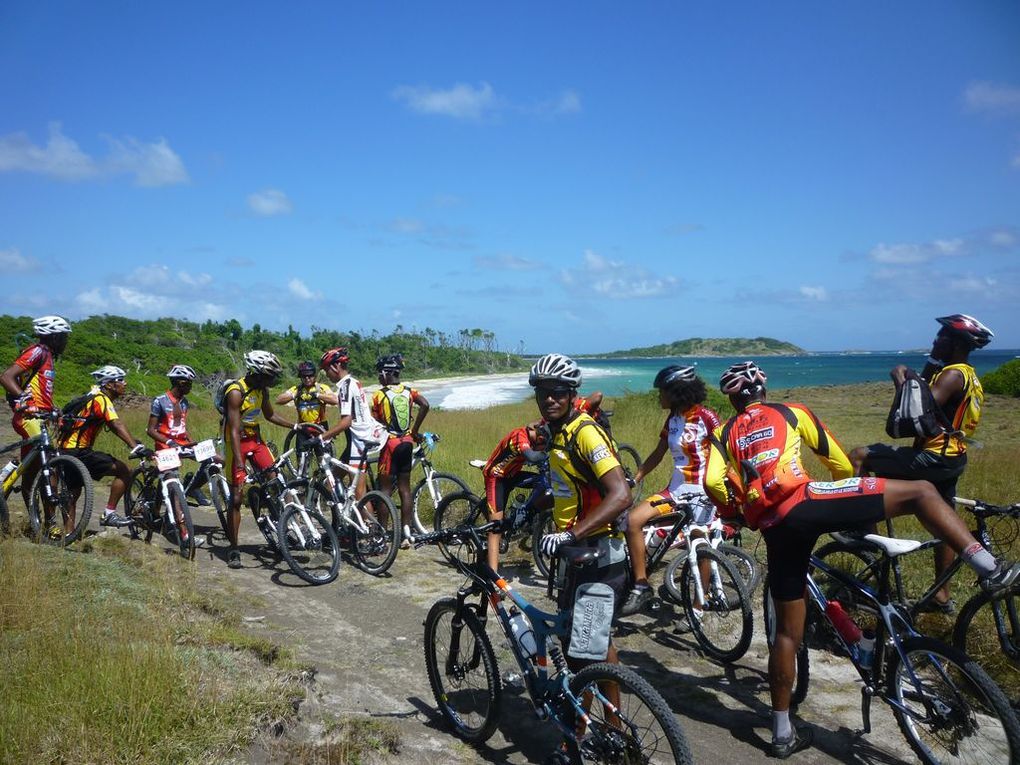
x=980, y=508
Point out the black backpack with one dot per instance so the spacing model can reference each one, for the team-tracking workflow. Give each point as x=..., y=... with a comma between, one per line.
x=71, y=418
x=914, y=412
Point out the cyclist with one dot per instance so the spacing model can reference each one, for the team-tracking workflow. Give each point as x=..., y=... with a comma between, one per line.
x=363, y=432
x=685, y=434
x=393, y=405
x=310, y=398
x=28, y=383
x=506, y=461
x=79, y=435
x=245, y=403
x=590, y=492
x=168, y=422
x=791, y=510
x=940, y=459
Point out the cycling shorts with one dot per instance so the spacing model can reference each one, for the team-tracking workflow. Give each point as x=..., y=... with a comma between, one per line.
x=253, y=449
x=495, y=493
x=26, y=427
x=850, y=504
x=594, y=595
x=911, y=464
x=702, y=509
x=356, y=451
x=395, y=457
x=99, y=465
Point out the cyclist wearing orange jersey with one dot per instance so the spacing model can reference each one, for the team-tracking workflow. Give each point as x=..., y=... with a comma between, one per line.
x=28, y=383
x=392, y=405
x=792, y=511
x=685, y=434
x=96, y=413
x=942, y=458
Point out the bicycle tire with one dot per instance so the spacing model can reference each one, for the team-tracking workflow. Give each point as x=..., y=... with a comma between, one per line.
x=725, y=624
x=317, y=562
x=289, y=466
x=745, y=564
x=424, y=505
x=630, y=461
x=61, y=468
x=462, y=671
x=269, y=529
x=462, y=508
x=5, y=519
x=219, y=492
x=857, y=563
x=644, y=729
x=966, y=717
x=802, y=663
x=178, y=514
x=966, y=633
x=543, y=525
x=375, y=552
x=135, y=489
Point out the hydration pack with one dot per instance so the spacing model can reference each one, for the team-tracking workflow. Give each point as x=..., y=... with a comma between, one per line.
x=220, y=396
x=914, y=412
x=400, y=410
x=71, y=418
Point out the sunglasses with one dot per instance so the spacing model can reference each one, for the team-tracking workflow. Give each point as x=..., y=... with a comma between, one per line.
x=558, y=392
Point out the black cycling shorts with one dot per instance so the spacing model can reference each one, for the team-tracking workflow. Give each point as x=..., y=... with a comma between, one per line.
x=99, y=464
x=790, y=542
x=907, y=463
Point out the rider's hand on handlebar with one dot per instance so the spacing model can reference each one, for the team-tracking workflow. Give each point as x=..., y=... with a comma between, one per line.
x=140, y=451
x=25, y=406
x=550, y=543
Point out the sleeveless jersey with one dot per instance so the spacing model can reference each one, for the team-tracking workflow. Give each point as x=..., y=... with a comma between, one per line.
x=687, y=437
x=36, y=377
x=166, y=423
x=575, y=493
x=391, y=405
x=251, y=408
x=310, y=408
x=964, y=415
x=97, y=413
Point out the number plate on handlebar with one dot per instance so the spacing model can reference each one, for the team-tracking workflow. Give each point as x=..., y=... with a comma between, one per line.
x=205, y=450
x=167, y=459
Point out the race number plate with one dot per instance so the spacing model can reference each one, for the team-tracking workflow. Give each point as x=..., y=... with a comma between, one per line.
x=167, y=459
x=205, y=450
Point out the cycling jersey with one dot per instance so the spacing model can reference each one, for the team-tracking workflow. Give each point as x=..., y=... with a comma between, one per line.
x=353, y=401
x=170, y=423
x=250, y=436
x=392, y=404
x=36, y=377
x=575, y=486
x=964, y=415
x=687, y=435
x=506, y=461
x=770, y=437
x=251, y=408
x=310, y=407
x=97, y=413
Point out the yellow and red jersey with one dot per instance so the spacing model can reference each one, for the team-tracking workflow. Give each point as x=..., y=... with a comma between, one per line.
x=770, y=437
x=36, y=377
x=964, y=415
x=392, y=404
x=575, y=486
x=95, y=414
x=507, y=458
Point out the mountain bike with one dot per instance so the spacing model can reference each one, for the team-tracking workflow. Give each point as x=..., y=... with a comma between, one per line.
x=947, y=707
x=301, y=534
x=998, y=526
x=61, y=485
x=370, y=526
x=606, y=712
x=155, y=500
x=430, y=490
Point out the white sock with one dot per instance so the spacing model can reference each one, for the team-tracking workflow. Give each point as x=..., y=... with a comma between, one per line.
x=110, y=509
x=979, y=559
x=781, y=728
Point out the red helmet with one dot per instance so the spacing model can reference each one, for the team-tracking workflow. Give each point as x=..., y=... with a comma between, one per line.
x=334, y=356
x=967, y=328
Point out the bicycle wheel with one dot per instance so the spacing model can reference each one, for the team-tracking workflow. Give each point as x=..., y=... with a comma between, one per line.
x=986, y=626
x=375, y=551
x=745, y=564
x=68, y=496
x=179, y=528
x=640, y=727
x=5, y=520
x=135, y=489
x=630, y=461
x=308, y=544
x=954, y=713
x=462, y=670
x=857, y=563
x=802, y=669
x=426, y=496
x=542, y=525
x=723, y=623
x=219, y=491
x=462, y=508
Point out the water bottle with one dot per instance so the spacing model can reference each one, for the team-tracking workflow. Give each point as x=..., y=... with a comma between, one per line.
x=524, y=636
x=7, y=469
x=866, y=652
x=657, y=538
x=844, y=624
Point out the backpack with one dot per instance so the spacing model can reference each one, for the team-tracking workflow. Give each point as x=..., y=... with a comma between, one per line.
x=914, y=412
x=400, y=410
x=580, y=465
x=220, y=396
x=70, y=416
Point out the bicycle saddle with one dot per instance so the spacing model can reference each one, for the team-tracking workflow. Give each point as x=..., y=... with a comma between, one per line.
x=893, y=547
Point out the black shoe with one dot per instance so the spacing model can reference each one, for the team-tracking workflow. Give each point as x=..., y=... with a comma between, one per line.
x=112, y=519
x=801, y=739
x=199, y=497
x=1003, y=578
x=636, y=600
x=234, y=559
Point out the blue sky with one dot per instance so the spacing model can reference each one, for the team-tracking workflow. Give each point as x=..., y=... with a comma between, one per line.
x=577, y=176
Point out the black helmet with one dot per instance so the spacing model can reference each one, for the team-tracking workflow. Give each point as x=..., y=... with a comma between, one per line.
x=305, y=368
x=673, y=376
x=392, y=363
x=967, y=328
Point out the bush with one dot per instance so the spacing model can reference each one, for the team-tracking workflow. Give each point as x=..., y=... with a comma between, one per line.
x=1004, y=379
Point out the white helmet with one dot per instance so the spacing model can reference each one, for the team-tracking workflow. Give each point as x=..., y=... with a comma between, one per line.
x=262, y=362
x=181, y=371
x=109, y=373
x=557, y=369
x=745, y=378
x=50, y=325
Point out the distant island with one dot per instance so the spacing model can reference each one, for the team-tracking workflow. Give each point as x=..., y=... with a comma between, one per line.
x=710, y=346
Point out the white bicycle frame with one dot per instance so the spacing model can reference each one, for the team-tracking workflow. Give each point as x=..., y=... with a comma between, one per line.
x=289, y=497
x=349, y=512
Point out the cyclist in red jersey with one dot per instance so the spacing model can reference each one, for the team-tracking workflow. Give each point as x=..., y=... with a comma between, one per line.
x=28, y=383
x=792, y=511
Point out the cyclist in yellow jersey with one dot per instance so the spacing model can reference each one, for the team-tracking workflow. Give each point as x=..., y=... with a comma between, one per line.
x=942, y=458
x=309, y=397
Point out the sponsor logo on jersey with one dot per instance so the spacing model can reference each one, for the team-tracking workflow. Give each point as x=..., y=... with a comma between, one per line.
x=744, y=442
x=846, y=486
x=766, y=456
x=600, y=452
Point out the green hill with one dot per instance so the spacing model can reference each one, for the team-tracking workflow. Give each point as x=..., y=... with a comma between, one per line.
x=712, y=346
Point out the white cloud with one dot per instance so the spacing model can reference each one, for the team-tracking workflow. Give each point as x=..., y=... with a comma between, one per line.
x=968, y=245
x=506, y=263
x=819, y=294
x=616, y=279
x=269, y=202
x=300, y=290
x=993, y=98
x=151, y=164
x=462, y=101
x=152, y=291
x=13, y=262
